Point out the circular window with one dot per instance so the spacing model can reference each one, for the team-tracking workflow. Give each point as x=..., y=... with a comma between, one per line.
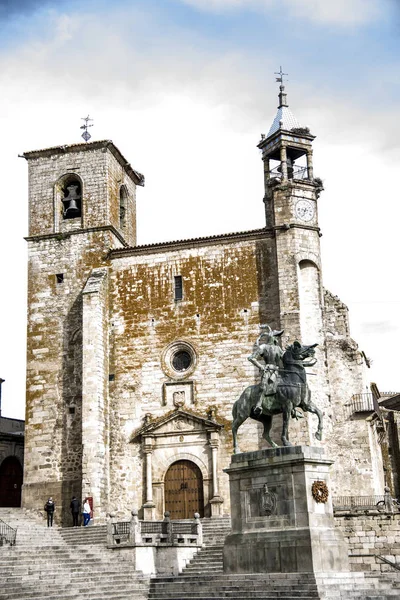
x=179, y=360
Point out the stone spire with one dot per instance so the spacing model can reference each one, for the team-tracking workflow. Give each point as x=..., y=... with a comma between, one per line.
x=284, y=118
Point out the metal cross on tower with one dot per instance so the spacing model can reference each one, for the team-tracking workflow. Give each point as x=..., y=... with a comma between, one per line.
x=86, y=135
x=281, y=75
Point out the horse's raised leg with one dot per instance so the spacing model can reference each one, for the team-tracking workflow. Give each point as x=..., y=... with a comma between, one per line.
x=235, y=426
x=237, y=422
x=266, y=420
x=285, y=427
x=310, y=407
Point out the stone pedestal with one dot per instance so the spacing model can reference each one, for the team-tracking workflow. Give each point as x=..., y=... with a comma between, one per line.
x=277, y=525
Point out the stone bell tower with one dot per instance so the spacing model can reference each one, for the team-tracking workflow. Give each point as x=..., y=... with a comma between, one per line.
x=291, y=205
x=81, y=204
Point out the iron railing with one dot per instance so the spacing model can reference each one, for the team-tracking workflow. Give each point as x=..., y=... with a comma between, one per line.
x=361, y=403
x=122, y=528
x=387, y=561
x=294, y=172
x=358, y=503
x=166, y=532
x=8, y=535
x=178, y=527
x=153, y=527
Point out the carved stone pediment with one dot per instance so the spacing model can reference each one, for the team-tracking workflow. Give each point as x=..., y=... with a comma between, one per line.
x=177, y=421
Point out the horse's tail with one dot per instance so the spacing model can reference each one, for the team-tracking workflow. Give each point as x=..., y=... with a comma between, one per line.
x=234, y=408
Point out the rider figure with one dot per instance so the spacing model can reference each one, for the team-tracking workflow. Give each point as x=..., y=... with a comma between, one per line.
x=267, y=358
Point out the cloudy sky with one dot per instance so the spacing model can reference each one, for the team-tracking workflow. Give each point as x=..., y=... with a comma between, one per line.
x=184, y=88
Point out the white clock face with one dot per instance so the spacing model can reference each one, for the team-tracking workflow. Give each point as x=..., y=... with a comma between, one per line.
x=304, y=210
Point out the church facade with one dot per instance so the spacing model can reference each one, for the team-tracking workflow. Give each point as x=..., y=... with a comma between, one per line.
x=136, y=354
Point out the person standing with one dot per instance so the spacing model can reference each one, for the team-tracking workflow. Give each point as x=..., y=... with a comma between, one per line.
x=75, y=507
x=50, y=507
x=86, y=512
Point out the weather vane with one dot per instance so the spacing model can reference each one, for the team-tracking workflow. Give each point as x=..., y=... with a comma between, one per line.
x=281, y=75
x=86, y=135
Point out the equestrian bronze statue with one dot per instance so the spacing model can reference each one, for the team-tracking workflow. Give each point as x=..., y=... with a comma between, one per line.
x=282, y=390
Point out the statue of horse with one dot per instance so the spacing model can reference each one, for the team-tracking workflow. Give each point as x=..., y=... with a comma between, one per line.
x=292, y=392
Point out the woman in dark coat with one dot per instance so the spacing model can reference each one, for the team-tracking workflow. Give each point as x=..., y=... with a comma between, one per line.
x=50, y=507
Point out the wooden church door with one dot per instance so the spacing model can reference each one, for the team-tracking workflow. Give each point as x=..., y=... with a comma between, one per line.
x=10, y=482
x=183, y=487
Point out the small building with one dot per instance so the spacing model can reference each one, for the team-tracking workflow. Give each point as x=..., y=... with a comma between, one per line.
x=11, y=459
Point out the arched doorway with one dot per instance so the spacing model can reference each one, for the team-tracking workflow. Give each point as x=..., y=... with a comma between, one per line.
x=10, y=482
x=183, y=487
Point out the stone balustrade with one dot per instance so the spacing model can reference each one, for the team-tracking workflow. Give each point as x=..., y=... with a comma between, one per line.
x=153, y=533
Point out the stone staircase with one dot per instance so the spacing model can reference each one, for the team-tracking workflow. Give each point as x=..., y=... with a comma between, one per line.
x=203, y=579
x=55, y=564
x=74, y=564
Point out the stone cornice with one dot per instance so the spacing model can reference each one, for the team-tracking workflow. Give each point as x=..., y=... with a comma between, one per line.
x=65, y=235
x=243, y=236
x=137, y=177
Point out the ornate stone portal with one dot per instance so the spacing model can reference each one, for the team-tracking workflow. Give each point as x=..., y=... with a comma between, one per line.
x=279, y=523
x=180, y=439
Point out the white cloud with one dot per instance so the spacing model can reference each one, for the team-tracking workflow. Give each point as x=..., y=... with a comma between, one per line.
x=336, y=12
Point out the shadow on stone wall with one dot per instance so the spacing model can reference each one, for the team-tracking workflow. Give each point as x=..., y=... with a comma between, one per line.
x=71, y=451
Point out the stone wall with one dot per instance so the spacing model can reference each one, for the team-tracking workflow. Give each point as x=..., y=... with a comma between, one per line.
x=352, y=439
x=225, y=297
x=369, y=536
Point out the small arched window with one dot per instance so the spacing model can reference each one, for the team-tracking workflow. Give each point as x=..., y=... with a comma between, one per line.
x=122, y=206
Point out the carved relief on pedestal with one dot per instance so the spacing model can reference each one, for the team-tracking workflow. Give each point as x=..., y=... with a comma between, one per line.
x=267, y=502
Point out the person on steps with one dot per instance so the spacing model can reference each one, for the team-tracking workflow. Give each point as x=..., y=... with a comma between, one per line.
x=50, y=507
x=75, y=508
x=86, y=512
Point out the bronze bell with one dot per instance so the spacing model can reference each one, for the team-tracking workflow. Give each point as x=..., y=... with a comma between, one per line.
x=72, y=209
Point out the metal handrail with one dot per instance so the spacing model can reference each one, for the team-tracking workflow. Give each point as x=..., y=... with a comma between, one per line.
x=357, y=503
x=7, y=534
x=294, y=172
x=387, y=561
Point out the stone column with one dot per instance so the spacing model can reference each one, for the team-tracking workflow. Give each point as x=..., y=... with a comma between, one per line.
x=284, y=163
x=135, y=533
x=149, y=506
x=310, y=167
x=95, y=410
x=111, y=520
x=266, y=171
x=216, y=499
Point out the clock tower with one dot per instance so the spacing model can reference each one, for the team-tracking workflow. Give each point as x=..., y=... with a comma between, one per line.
x=291, y=198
